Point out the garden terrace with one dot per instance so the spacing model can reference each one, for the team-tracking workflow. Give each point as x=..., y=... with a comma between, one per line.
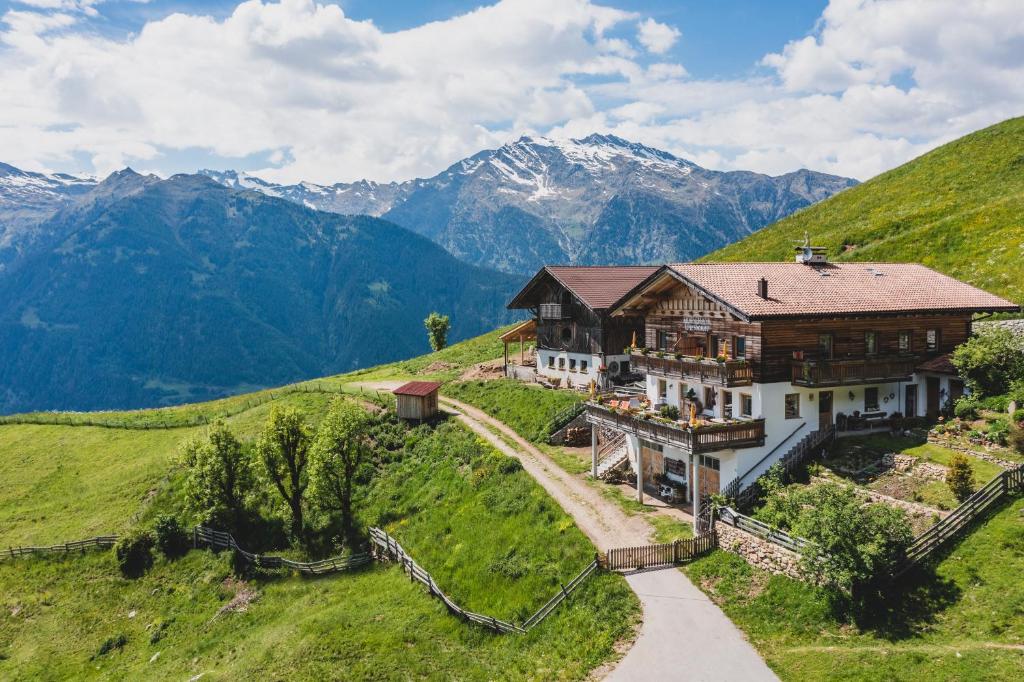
x=853, y=371
x=707, y=437
x=728, y=373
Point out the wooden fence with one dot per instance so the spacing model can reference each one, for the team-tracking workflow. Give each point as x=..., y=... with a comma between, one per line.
x=220, y=540
x=1006, y=483
x=389, y=548
x=100, y=541
x=655, y=556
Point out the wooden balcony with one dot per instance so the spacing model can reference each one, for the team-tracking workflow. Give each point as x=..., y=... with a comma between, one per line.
x=853, y=371
x=729, y=373
x=705, y=438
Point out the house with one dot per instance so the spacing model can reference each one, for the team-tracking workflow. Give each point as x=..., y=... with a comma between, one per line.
x=759, y=358
x=417, y=400
x=577, y=339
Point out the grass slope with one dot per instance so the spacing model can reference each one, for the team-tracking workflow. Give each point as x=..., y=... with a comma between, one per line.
x=527, y=408
x=958, y=209
x=966, y=622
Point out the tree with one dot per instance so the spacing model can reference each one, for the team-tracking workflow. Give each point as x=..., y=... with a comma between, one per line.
x=342, y=446
x=990, y=361
x=437, y=330
x=852, y=545
x=219, y=477
x=283, y=449
x=960, y=477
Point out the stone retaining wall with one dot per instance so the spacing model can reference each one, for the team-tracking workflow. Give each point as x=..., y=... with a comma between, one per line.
x=1005, y=463
x=758, y=552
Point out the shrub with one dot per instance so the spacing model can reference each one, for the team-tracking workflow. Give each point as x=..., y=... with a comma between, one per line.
x=991, y=360
x=966, y=408
x=110, y=644
x=1018, y=416
x=996, y=403
x=960, y=477
x=670, y=412
x=171, y=538
x=998, y=430
x=134, y=553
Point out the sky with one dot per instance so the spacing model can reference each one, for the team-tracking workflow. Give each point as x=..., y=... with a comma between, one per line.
x=325, y=92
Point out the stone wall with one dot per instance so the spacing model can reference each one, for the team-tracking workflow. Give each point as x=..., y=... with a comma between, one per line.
x=758, y=552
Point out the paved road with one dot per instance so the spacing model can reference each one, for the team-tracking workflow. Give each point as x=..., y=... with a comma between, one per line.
x=684, y=635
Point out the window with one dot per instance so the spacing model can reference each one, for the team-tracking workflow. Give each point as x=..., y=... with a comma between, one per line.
x=710, y=463
x=727, y=404
x=662, y=390
x=932, y=339
x=683, y=388
x=871, y=399
x=825, y=346
x=740, y=346
x=746, y=405
x=561, y=363
x=709, y=399
x=662, y=340
x=572, y=364
x=792, y=406
x=648, y=445
x=871, y=343
x=584, y=366
x=906, y=341
x=566, y=334
x=551, y=362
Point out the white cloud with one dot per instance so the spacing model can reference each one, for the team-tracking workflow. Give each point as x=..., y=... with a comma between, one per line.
x=325, y=98
x=656, y=37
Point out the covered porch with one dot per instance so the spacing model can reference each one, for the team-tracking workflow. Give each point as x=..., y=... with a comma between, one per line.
x=522, y=366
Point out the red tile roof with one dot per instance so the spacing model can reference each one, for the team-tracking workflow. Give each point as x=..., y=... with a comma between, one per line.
x=939, y=365
x=796, y=290
x=599, y=287
x=417, y=388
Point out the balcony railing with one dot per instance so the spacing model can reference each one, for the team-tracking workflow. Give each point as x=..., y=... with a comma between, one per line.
x=712, y=372
x=855, y=371
x=704, y=438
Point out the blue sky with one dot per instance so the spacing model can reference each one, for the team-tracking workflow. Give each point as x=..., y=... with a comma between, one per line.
x=295, y=89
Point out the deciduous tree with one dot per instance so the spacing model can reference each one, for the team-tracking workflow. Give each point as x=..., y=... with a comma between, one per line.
x=437, y=330
x=283, y=450
x=341, y=448
x=219, y=476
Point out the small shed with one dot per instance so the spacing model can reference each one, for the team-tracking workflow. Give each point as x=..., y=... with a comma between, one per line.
x=417, y=400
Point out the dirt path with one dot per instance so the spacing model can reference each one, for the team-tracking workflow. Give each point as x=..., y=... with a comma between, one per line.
x=684, y=635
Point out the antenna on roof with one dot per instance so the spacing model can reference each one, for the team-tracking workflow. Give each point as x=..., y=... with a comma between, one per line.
x=810, y=255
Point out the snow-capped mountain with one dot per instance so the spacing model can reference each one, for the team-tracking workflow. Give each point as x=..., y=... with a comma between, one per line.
x=599, y=199
x=26, y=197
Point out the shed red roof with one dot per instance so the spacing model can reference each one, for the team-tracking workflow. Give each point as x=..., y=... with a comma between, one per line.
x=417, y=388
x=796, y=290
x=939, y=365
x=599, y=287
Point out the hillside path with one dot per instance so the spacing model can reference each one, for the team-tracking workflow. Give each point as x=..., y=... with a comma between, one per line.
x=684, y=635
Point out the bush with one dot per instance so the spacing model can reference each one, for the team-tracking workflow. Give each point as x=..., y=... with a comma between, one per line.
x=670, y=412
x=966, y=408
x=134, y=553
x=111, y=644
x=960, y=477
x=999, y=430
x=991, y=361
x=171, y=538
x=1018, y=416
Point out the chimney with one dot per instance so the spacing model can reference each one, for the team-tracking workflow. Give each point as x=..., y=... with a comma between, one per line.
x=762, y=288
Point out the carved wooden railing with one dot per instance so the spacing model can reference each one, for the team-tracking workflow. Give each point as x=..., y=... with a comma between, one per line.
x=856, y=371
x=705, y=438
x=728, y=373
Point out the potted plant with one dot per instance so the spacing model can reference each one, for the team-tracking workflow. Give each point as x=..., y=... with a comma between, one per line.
x=659, y=353
x=678, y=356
x=645, y=351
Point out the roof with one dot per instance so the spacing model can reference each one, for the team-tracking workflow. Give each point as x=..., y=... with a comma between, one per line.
x=798, y=290
x=417, y=388
x=599, y=287
x=940, y=364
x=524, y=330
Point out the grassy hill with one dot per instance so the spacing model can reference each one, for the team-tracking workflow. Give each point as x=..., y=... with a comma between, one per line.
x=958, y=209
x=491, y=536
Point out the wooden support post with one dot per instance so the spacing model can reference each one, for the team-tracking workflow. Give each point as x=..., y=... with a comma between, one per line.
x=593, y=450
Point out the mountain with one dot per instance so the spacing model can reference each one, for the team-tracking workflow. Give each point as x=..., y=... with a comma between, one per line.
x=600, y=199
x=146, y=292
x=958, y=209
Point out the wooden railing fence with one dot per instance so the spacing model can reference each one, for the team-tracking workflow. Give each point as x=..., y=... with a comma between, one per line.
x=562, y=417
x=100, y=541
x=762, y=530
x=218, y=539
x=1004, y=484
x=656, y=556
x=706, y=438
x=728, y=373
x=388, y=547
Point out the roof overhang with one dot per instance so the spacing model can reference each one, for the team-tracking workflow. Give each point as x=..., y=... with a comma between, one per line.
x=665, y=278
x=526, y=331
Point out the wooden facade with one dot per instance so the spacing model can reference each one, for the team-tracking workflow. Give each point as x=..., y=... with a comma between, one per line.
x=417, y=400
x=564, y=323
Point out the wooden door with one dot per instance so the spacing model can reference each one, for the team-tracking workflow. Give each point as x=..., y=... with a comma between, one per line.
x=910, y=402
x=932, y=391
x=709, y=474
x=824, y=409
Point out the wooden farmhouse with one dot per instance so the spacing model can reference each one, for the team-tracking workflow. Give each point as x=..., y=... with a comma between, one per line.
x=417, y=400
x=745, y=362
x=578, y=341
